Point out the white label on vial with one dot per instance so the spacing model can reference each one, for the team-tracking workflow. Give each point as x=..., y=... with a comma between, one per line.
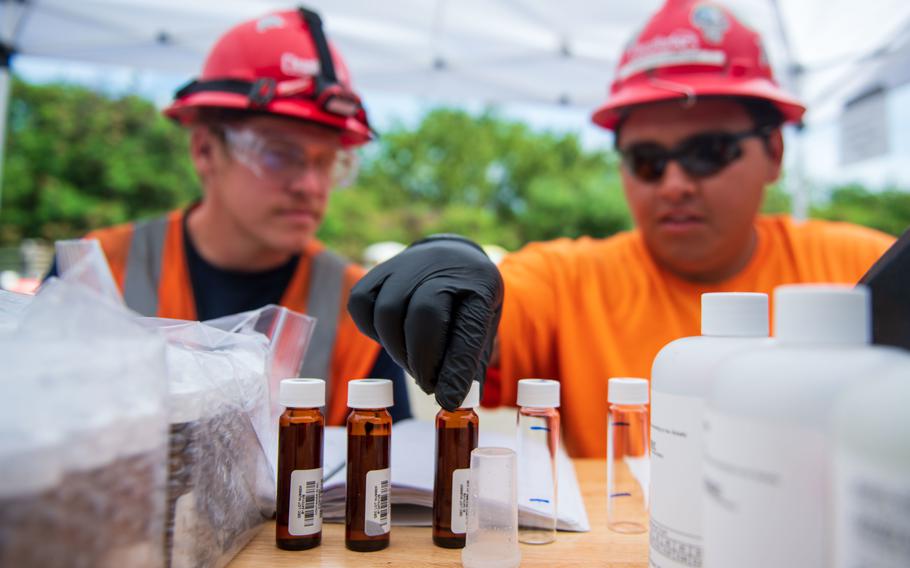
x=765, y=494
x=676, y=480
x=377, y=519
x=305, y=503
x=872, y=514
x=460, y=488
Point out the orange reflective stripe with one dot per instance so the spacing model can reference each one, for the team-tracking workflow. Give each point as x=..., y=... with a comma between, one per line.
x=297, y=293
x=115, y=242
x=354, y=354
x=175, y=290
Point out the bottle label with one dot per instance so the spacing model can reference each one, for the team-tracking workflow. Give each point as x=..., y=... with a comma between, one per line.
x=765, y=494
x=872, y=514
x=377, y=520
x=460, y=488
x=676, y=480
x=305, y=503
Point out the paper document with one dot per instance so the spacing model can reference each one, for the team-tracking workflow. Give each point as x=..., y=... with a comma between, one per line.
x=413, y=463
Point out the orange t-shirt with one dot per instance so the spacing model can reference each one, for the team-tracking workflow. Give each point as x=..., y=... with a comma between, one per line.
x=582, y=311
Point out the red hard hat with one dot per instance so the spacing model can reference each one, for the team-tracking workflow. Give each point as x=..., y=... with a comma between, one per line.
x=693, y=48
x=280, y=64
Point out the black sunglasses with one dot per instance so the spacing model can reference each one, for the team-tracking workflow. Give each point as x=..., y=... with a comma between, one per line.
x=700, y=156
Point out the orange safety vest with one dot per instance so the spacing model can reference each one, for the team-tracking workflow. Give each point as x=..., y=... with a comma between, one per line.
x=148, y=262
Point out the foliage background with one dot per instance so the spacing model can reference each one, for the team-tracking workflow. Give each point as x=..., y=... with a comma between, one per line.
x=77, y=159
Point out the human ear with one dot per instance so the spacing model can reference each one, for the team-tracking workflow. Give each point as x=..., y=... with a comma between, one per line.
x=774, y=146
x=203, y=150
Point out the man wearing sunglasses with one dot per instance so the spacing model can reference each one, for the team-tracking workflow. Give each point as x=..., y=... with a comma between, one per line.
x=696, y=115
x=273, y=122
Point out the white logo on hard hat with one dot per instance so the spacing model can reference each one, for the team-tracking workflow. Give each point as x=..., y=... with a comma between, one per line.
x=269, y=22
x=678, y=40
x=681, y=47
x=710, y=21
x=296, y=66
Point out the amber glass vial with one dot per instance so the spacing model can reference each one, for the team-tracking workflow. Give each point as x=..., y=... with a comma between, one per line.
x=456, y=437
x=368, y=518
x=300, y=439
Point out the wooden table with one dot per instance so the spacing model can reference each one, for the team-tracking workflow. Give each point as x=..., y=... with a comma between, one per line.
x=413, y=546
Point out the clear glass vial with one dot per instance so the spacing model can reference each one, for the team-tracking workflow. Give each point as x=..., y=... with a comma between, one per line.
x=538, y=443
x=628, y=456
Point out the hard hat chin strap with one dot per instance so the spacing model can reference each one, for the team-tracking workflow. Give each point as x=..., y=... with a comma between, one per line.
x=679, y=88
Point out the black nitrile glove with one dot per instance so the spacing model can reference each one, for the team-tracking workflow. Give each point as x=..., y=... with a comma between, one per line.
x=435, y=308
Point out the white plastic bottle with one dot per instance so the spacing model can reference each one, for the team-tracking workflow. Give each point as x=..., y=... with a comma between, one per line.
x=871, y=490
x=766, y=443
x=680, y=381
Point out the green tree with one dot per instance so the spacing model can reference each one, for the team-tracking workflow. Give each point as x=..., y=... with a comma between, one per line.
x=776, y=200
x=887, y=210
x=78, y=159
x=483, y=176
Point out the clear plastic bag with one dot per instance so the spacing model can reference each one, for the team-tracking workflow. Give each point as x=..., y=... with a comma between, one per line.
x=12, y=306
x=220, y=487
x=210, y=467
x=221, y=482
x=83, y=436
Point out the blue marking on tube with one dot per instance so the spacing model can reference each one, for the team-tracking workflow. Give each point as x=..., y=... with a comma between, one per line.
x=536, y=500
x=620, y=495
x=620, y=423
x=544, y=428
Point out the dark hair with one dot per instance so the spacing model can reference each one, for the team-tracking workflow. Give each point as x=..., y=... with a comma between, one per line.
x=214, y=116
x=764, y=114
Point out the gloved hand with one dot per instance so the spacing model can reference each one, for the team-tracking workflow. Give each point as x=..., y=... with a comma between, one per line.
x=435, y=308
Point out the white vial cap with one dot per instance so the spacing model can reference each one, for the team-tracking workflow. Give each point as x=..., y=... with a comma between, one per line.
x=626, y=390
x=538, y=393
x=370, y=393
x=472, y=400
x=734, y=314
x=302, y=393
x=824, y=314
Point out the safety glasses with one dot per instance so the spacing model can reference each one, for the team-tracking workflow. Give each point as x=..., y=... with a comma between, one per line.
x=700, y=156
x=283, y=162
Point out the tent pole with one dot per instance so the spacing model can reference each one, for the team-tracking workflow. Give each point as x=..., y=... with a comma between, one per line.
x=5, y=80
x=795, y=180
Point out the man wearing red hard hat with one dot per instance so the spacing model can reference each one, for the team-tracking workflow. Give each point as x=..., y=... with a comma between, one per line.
x=697, y=119
x=272, y=122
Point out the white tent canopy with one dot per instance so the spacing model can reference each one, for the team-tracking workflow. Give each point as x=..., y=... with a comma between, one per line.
x=498, y=50
x=486, y=50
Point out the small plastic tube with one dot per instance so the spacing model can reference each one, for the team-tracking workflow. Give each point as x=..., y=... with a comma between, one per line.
x=491, y=540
